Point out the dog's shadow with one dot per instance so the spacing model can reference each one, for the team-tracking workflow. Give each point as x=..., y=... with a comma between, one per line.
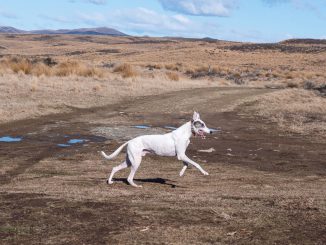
x=149, y=180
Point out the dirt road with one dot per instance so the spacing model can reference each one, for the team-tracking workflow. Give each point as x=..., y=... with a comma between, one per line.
x=264, y=187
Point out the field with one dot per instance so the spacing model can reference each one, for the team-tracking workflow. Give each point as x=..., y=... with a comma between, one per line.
x=267, y=182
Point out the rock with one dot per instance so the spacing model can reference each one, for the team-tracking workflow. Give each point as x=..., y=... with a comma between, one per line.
x=208, y=150
x=231, y=233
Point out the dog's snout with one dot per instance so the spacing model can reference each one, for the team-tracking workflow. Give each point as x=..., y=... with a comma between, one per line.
x=210, y=131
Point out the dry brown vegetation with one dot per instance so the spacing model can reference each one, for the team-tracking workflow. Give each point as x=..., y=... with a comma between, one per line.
x=148, y=60
x=294, y=110
x=126, y=70
x=265, y=186
x=38, y=68
x=238, y=63
x=172, y=76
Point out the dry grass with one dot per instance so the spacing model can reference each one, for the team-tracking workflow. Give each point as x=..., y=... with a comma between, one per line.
x=173, y=76
x=294, y=110
x=167, y=61
x=126, y=70
x=34, y=96
x=75, y=68
x=39, y=68
x=173, y=67
x=256, y=68
x=203, y=69
x=154, y=67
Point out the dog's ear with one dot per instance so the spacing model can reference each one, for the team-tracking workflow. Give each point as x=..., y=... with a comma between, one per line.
x=195, y=116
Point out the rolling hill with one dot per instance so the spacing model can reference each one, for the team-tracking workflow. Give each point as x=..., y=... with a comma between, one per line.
x=80, y=31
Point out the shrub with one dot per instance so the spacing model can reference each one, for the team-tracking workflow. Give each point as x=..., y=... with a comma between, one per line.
x=155, y=66
x=125, y=70
x=173, y=76
x=48, y=67
x=19, y=65
x=292, y=85
x=172, y=67
x=203, y=69
x=309, y=85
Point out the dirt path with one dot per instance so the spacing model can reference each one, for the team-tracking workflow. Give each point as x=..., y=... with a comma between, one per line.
x=263, y=187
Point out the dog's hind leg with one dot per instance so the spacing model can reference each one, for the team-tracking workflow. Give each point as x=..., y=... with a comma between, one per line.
x=116, y=169
x=135, y=162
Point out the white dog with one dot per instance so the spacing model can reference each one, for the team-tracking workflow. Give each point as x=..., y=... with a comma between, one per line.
x=174, y=143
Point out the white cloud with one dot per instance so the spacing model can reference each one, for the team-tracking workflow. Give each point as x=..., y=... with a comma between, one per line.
x=274, y=2
x=60, y=19
x=6, y=14
x=96, y=2
x=304, y=5
x=93, y=19
x=145, y=21
x=200, y=7
x=136, y=21
x=181, y=19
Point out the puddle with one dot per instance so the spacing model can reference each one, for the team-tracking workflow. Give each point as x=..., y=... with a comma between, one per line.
x=63, y=145
x=170, y=127
x=141, y=126
x=9, y=139
x=76, y=141
x=80, y=141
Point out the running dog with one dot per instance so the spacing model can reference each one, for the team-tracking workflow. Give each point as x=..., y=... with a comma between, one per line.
x=174, y=143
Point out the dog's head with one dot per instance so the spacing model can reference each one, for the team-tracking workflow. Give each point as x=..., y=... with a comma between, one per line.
x=198, y=127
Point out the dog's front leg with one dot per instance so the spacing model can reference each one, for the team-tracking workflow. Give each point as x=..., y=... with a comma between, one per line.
x=185, y=166
x=184, y=158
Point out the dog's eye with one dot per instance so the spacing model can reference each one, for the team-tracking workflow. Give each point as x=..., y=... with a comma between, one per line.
x=198, y=124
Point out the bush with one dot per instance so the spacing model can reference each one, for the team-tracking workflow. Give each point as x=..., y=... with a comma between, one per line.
x=173, y=76
x=49, y=67
x=125, y=70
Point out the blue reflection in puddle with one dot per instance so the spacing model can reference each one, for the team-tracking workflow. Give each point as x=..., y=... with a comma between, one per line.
x=170, y=127
x=9, y=139
x=76, y=141
x=141, y=126
x=63, y=145
x=72, y=142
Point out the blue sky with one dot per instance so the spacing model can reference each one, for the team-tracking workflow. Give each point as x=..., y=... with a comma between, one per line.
x=238, y=20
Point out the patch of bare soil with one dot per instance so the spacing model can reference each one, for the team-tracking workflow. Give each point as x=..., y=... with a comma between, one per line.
x=264, y=187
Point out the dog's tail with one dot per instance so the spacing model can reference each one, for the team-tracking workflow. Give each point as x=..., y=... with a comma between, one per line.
x=114, y=154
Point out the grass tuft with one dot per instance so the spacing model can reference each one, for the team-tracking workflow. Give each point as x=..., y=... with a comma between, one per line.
x=173, y=76
x=126, y=70
x=48, y=67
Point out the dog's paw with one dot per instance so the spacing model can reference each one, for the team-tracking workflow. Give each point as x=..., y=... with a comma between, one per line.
x=137, y=186
x=205, y=173
x=109, y=182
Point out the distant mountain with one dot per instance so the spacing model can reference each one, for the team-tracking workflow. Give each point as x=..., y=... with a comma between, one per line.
x=81, y=31
x=9, y=29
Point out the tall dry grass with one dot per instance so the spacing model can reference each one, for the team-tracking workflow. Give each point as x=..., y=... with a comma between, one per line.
x=39, y=68
x=294, y=110
x=125, y=70
x=75, y=68
x=173, y=76
x=58, y=94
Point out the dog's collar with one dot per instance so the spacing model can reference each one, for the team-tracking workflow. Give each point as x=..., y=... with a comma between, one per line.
x=192, y=130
